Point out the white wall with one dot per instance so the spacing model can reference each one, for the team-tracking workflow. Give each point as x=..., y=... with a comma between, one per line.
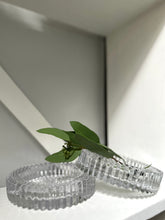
x=136, y=88
x=59, y=69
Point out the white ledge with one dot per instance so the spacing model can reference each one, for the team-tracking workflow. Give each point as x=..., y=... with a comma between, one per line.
x=26, y=113
x=107, y=203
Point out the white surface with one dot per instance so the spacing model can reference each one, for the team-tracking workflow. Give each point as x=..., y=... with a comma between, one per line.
x=136, y=88
x=106, y=203
x=136, y=98
x=19, y=105
x=96, y=16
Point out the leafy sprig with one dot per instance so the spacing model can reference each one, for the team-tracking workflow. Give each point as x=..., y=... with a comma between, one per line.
x=80, y=138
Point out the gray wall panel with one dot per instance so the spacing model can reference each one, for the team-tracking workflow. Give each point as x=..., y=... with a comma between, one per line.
x=60, y=70
x=17, y=146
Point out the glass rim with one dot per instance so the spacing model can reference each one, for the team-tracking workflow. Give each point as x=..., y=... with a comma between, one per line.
x=131, y=175
x=49, y=186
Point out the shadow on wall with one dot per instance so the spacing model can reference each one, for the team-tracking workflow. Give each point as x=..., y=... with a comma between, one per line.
x=128, y=50
x=22, y=16
x=50, y=62
x=33, y=20
x=60, y=72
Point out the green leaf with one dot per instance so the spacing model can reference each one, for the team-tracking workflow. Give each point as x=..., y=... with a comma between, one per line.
x=74, y=154
x=81, y=138
x=55, y=132
x=60, y=156
x=84, y=131
x=148, y=166
x=80, y=141
x=56, y=157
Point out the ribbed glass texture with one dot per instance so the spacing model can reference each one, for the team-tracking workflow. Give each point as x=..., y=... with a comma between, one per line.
x=49, y=186
x=131, y=174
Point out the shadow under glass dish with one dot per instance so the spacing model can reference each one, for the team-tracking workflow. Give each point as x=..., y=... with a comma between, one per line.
x=49, y=186
x=131, y=175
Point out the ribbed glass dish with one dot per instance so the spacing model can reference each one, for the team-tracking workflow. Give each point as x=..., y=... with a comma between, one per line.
x=49, y=186
x=131, y=174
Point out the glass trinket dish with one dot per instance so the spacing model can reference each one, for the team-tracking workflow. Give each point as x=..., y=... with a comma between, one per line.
x=128, y=173
x=49, y=186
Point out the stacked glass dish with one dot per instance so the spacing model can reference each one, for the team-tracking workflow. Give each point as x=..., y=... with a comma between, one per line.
x=59, y=185
x=123, y=173
x=49, y=186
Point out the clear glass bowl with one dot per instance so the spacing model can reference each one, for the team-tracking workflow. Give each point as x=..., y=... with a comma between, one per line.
x=49, y=186
x=131, y=174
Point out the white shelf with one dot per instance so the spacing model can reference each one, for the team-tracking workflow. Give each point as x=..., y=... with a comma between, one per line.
x=107, y=203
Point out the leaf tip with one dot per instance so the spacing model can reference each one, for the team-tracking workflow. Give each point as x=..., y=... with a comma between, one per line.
x=73, y=122
x=41, y=130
